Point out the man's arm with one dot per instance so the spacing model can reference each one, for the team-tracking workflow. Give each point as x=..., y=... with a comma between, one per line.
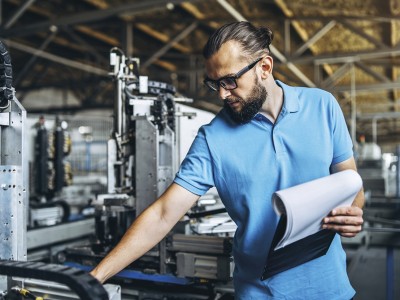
x=347, y=221
x=147, y=230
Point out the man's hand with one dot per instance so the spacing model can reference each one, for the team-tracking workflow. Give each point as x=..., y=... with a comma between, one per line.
x=346, y=221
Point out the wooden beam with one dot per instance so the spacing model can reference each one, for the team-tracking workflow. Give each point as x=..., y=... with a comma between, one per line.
x=196, y=13
x=160, y=36
x=166, y=65
x=193, y=10
x=82, y=28
x=102, y=4
x=300, y=30
x=98, y=35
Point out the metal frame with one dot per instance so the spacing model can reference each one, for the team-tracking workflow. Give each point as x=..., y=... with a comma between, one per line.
x=14, y=185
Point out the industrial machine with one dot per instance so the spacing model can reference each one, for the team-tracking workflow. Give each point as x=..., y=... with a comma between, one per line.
x=53, y=281
x=193, y=261
x=49, y=173
x=16, y=274
x=142, y=162
x=13, y=176
x=52, y=224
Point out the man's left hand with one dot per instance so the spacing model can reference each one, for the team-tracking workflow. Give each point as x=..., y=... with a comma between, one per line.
x=346, y=221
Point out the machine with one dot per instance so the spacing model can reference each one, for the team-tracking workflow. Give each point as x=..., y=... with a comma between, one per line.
x=49, y=173
x=193, y=261
x=16, y=274
x=13, y=176
x=142, y=162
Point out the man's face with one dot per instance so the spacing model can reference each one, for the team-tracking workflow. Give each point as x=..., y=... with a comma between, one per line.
x=242, y=110
x=247, y=98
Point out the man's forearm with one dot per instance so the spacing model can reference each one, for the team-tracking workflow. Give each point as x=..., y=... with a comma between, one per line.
x=359, y=200
x=147, y=230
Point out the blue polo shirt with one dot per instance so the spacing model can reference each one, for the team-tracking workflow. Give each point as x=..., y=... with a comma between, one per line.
x=248, y=163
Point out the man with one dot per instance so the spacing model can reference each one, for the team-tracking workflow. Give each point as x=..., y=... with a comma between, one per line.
x=268, y=136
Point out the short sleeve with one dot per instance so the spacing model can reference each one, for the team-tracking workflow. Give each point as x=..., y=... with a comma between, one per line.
x=342, y=143
x=196, y=171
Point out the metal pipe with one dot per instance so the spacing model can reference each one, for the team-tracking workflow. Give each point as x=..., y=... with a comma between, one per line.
x=353, y=105
x=166, y=47
x=1, y=12
x=18, y=13
x=33, y=58
x=287, y=37
x=398, y=172
x=324, y=30
x=57, y=59
x=129, y=39
x=131, y=8
x=374, y=130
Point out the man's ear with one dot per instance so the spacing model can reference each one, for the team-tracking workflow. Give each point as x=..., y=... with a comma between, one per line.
x=267, y=64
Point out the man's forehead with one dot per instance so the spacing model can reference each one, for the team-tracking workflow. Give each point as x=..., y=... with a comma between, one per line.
x=230, y=50
x=225, y=59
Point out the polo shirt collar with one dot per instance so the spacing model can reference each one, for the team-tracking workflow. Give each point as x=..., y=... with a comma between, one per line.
x=290, y=98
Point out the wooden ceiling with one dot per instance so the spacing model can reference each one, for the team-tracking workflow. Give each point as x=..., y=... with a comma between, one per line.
x=349, y=47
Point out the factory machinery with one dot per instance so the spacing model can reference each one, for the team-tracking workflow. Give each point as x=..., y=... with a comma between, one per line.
x=142, y=162
x=50, y=172
x=15, y=272
x=13, y=177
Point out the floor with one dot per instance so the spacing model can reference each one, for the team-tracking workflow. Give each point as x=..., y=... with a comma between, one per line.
x=367, y=272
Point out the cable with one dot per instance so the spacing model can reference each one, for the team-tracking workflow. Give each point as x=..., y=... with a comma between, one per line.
x=193, y=230
x=6, y=89
x=219, y=224
x=116, y=49
x=25, y=293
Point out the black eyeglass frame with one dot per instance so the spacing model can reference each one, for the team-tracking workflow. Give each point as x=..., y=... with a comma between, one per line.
x=215, y=84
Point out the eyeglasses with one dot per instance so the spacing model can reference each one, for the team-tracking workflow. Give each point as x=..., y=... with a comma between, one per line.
x=229, y=82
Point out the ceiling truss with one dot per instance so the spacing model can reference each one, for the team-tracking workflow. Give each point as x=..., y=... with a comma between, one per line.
x=349, y=47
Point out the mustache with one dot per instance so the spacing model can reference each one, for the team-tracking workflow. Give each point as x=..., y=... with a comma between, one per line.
x=232, y=100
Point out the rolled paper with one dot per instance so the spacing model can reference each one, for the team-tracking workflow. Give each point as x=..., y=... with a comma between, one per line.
x=305, y=205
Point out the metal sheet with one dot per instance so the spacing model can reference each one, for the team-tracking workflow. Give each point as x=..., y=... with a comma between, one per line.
x=146, y=164
x=60, y=233
x=111, y=161
x=12, y=211
x=4, y=119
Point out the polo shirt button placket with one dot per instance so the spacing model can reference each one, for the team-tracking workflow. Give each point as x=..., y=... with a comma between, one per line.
x=276, y=139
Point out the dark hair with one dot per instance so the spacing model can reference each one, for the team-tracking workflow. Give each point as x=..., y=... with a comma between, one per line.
x=252, y=39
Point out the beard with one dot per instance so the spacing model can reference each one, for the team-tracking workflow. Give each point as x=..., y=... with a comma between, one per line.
x=250, y=106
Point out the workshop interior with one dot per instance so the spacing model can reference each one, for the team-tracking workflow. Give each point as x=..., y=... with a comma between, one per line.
x=100, y=101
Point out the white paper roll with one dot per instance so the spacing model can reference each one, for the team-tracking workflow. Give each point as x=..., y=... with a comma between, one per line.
x=305, y=205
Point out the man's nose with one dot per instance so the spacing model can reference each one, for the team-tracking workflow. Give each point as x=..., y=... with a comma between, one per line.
x=223, y=93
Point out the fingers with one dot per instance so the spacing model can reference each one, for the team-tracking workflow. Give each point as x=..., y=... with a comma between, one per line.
x=344, y=230
x=344, y=220
x=347, y=221
x=345, y=216
x=347, y=211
